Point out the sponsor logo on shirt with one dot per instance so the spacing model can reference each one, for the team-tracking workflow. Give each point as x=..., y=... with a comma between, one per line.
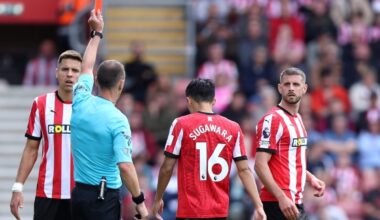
x=59, y=129
x=266, y=133
x=299, y=142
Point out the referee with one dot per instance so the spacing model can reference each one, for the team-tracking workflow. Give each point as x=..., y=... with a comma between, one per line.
x=101, y=138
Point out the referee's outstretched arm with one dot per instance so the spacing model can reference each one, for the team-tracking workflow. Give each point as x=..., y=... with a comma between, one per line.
x=96, y=24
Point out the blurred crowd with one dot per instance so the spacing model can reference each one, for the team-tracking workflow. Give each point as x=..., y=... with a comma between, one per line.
x=243, y=45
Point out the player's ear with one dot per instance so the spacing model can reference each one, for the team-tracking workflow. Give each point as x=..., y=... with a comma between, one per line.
x=121, y=84
x=305, y=89
x=56, y=73
x=213, y=102
x=188, y=100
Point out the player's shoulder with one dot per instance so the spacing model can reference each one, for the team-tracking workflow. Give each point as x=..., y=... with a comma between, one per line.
x=272, y=114
x=43, y=98
x=227, y=121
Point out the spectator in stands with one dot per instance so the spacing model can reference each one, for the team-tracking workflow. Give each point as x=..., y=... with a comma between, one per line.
x=372, y=113
x=341, y=10
x=207, y=29
x=374, y=37
x=126, y=104
x=143, y=141
x=287, y=49
x=260, y=70
x=326, y=92
x=369, y=147
x=346, y=182
x=360, y=92
x=254, y=39
x=340, y=139
x=318, y=21
x=157, y=116
x=290, y=20
x=223, y=73
x=323, y=54
x=371, y=203
x=40, y=71
x=140, y=74
x=265, y=99
x=358, y=60
x=237, y=108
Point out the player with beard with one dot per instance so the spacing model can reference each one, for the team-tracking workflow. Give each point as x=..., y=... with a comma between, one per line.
x=281, y=152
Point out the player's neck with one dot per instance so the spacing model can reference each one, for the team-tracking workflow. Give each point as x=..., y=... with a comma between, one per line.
x=291, y=108
x=65, y=96
x=203, y=107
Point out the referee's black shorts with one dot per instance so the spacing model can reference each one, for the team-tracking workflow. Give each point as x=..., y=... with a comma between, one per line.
x=87, y=206
x=273, y=211
x=55, y=209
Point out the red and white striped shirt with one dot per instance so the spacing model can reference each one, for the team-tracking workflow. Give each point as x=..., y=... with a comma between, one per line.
x=284, y=135
x=49, y=121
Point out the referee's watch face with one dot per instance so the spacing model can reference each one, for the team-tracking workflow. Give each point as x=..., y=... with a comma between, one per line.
x=292, y=88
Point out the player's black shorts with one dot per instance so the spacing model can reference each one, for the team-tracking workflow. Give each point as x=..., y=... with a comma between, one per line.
x=273, y=211
x=55, y=209
x=201, y=218
x=87, y=206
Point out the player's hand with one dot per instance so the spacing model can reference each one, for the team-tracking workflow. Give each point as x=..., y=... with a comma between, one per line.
x=259, y=214
x=318, y=186
x=17, y=202
x=96, y=21
x=288, y=208
x=157, y=209
x=142, y=212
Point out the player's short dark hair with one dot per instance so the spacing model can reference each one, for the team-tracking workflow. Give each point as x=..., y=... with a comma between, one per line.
x=70, y=54
x=201, y=90
x=109, y=73
x=291, y=71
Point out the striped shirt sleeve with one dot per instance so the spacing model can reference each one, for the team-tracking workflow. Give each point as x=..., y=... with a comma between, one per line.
x=268, y=131
x=239, y=152
x=33, y=130
x=174, y=141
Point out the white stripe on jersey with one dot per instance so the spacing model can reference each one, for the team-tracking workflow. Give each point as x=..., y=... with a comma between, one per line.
x=303, y=158
x=178, y=144
x=237, y=151
x=37, y=124
x=279, y=133
x=292, y=156
x=66, y=158
x=48, y=185
x=170, y=136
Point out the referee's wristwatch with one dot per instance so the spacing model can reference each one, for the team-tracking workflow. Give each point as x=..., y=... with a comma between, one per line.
x=96, y=33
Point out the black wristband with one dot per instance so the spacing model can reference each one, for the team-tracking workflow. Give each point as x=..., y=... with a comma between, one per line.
x=139, y=199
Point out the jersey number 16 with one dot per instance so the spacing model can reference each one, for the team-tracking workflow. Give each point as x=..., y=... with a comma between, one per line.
x=205, y=166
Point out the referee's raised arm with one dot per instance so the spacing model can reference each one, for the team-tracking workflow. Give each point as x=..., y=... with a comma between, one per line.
x=96, y=24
